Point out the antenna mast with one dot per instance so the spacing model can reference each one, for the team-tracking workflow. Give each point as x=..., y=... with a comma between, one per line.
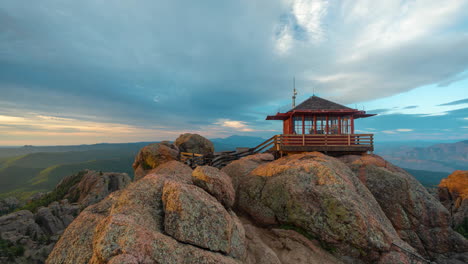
x=294, y=93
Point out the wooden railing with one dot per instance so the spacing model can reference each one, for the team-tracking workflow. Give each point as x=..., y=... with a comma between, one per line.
x=325, y=140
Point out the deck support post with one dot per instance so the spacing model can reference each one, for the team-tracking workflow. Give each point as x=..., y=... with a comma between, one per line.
x=303, y=123
x=315, y=124
x=339, y=125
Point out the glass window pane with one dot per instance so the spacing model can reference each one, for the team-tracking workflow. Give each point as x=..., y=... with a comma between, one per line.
x=297, y=124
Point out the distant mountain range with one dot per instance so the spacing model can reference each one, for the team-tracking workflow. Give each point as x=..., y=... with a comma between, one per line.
x=232, y=142
x=445, y=157
x=29, y=169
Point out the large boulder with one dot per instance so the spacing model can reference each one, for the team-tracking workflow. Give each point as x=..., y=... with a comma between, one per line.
x=130, y=226
x=152, y=156
x=419, y=218
x=453, y=193
x=216, y=183
x=193, y=216
x=194, y=143
x=321, y=196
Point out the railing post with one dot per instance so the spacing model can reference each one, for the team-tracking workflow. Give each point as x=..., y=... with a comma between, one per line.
x=303, y=140
x=349, y=139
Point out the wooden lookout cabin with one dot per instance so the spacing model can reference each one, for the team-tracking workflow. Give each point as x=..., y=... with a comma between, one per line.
x=321, y=125
x=314, y=125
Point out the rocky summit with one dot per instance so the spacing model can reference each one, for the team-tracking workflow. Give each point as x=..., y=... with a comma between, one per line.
x=303, y=208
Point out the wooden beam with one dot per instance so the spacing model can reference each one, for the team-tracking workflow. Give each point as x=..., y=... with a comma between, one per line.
x=303, y=126
x=291, y=124
x=352, y=124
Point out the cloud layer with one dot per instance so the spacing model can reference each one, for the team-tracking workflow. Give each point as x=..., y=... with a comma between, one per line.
x=218, y=67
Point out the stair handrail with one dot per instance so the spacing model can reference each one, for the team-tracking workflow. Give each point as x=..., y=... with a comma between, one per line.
x=266, y=142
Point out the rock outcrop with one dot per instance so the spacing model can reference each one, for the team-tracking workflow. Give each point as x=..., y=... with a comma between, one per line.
x=419, y=218
x=36, y=233
x=94, y=186
x=152, y=156
x=194, y=143
x=54, y=218
x=9, y=204
x=453, y=193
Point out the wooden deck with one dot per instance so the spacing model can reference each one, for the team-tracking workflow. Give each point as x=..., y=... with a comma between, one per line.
x=324, y=143
x=288, y=144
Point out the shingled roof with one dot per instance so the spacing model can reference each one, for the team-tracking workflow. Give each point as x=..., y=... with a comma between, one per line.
x=317, y=103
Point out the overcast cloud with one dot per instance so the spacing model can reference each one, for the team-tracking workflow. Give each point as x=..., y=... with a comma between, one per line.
x=216, y=67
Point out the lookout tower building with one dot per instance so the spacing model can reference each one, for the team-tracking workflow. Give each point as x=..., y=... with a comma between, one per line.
x=321, y=125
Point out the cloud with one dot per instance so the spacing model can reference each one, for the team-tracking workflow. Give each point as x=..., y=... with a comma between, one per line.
x=458, y=102
x=39, y=129
x=185, y=65
x=236, y=125
x=410, y=107
x=415, y=127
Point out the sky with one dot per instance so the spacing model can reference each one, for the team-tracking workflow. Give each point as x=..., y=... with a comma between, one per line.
x=90, y=71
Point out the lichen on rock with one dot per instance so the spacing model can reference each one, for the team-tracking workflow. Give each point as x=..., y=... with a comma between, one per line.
x=216, y=183
x=152, y=156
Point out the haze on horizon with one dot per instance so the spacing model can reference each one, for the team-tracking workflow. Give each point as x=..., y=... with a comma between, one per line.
x=83, y=72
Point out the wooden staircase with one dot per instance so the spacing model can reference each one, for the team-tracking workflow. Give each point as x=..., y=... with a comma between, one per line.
x=221, y=159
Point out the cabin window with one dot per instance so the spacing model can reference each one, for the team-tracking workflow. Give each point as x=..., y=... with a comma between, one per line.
x=309, y=125
x=346, y=125
x=333, y=125
x=321, y=125
x=297, y=125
